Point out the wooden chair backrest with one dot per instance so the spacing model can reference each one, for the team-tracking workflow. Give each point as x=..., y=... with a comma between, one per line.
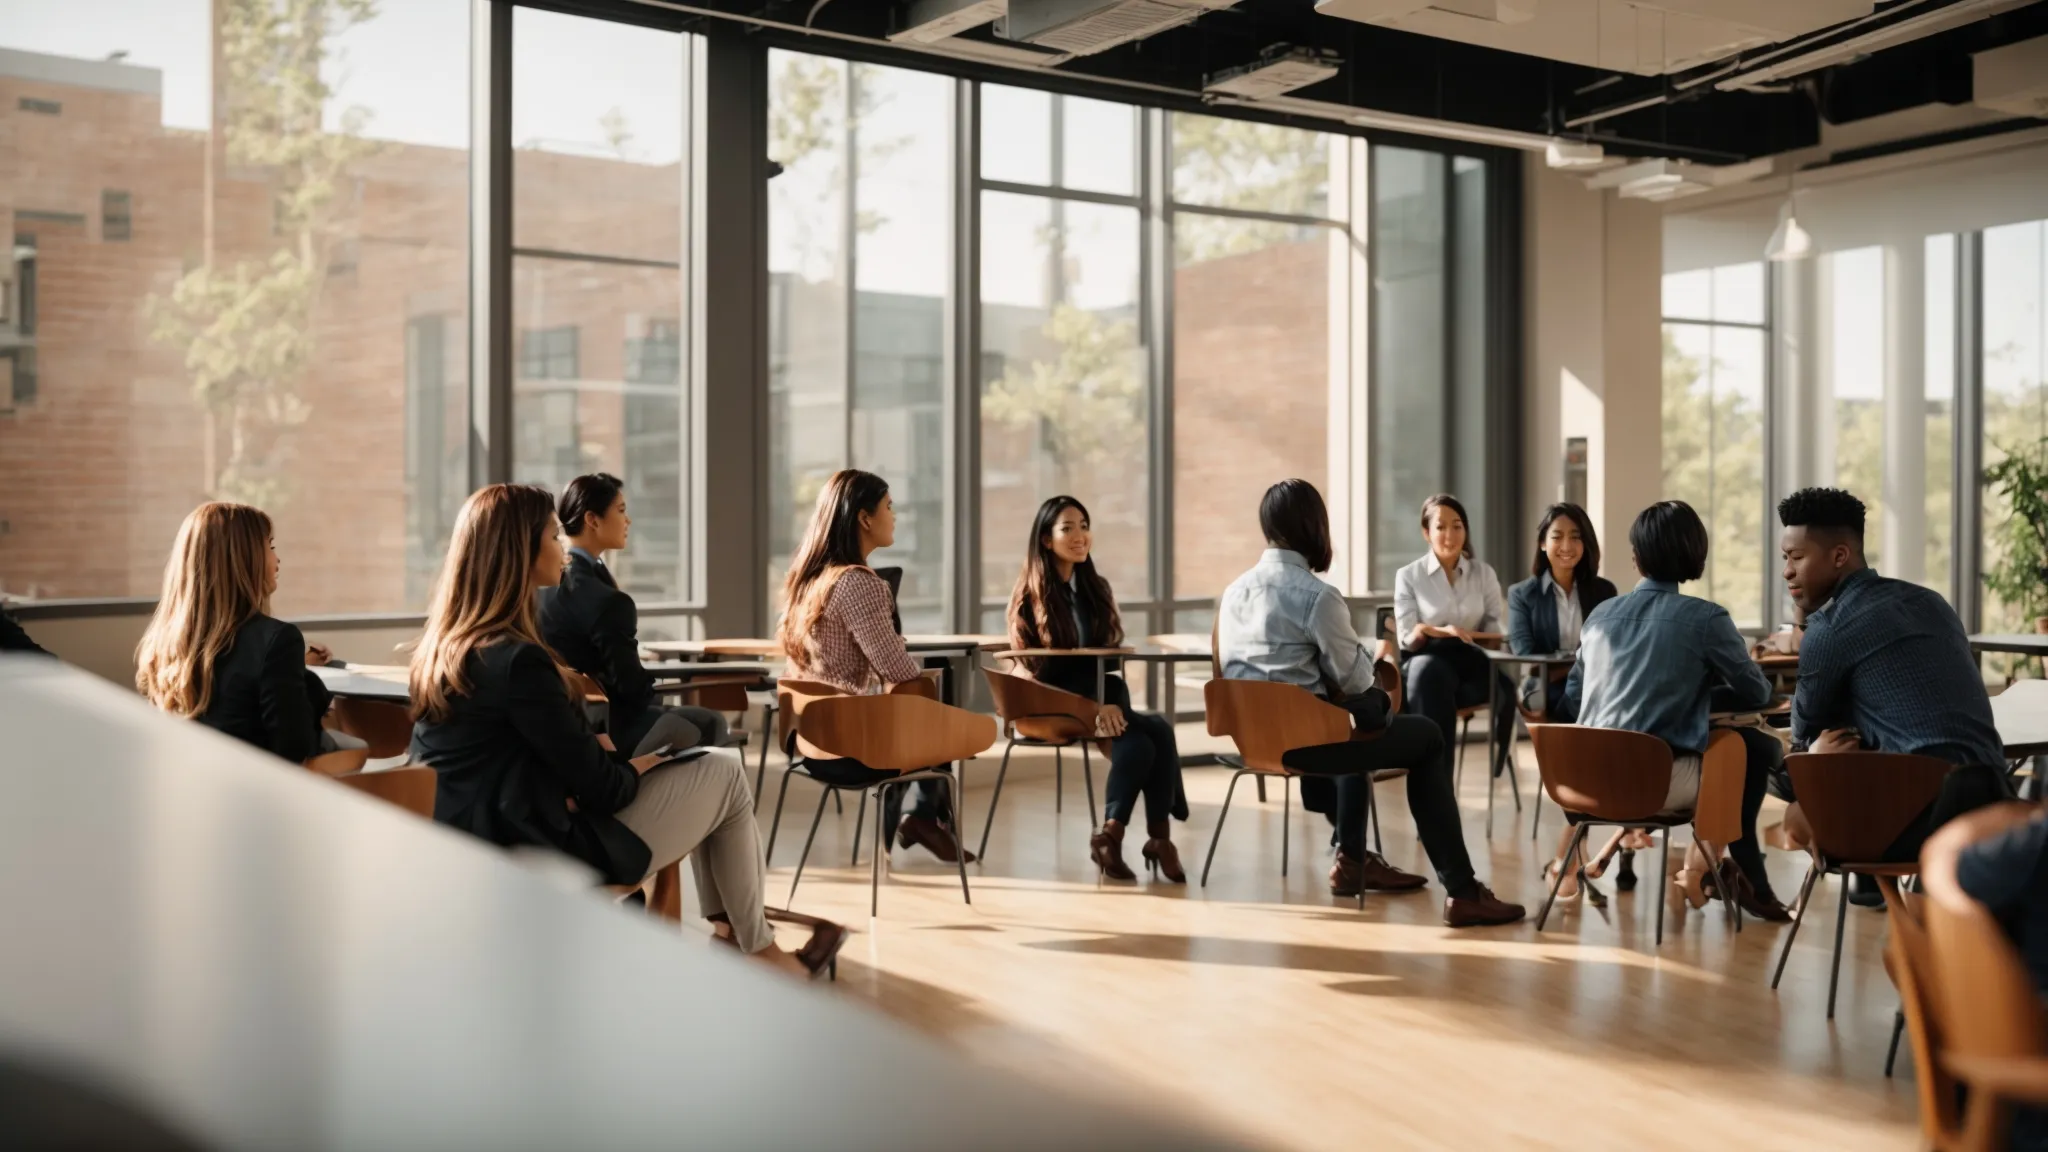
x=1039, y=711
x=1859, y=802
x=898, y=732
x=1717, y=814
x=411, y=787
x=1605, y=773
x=724, y=697
x=1909, y=958
x=339, y=763
x=1988, y=1005
x=385, y=726
x=791, y=698
x=1267, y=720
x=592, y=692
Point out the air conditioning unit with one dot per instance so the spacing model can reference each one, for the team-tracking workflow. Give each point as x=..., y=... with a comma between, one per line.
x=930, y=21
x=1084, y=27
x=1279, y=69
x=2013, y=79
x=1383, y=11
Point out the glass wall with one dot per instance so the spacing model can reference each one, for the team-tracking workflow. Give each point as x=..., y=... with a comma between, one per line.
x=1713, y=424
x=2015, y=381
x=598, y=187
x=1852, y=286
x=859, y=379
x=1064, y=401
x=260, y=297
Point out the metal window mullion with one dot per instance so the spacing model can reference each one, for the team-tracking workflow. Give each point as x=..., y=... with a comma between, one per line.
x=1966, y=561
x=848, y=258
x=1155, y=255
x=963, y=456
x=1253, y=214
x=1057, y=193
x=490, y=243
x=1768, y=614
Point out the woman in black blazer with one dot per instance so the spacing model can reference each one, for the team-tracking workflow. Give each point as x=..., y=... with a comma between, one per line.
x=1546, y=611
x=502, y=726
x=212, y=653
x=1061, y=601
x=594, y=626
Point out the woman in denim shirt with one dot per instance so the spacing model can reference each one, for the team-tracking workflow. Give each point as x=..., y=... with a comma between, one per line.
x=1659, y=662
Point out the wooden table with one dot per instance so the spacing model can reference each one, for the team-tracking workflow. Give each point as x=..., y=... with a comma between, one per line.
x=385, y=682
x=2021, y=714
x=266, y=959
x=2024, y=643
x=751, y=648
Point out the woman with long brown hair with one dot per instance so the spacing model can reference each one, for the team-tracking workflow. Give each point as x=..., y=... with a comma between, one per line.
x=1061, y=601
x=503, y=727
x=838, y=628
x=213, y=653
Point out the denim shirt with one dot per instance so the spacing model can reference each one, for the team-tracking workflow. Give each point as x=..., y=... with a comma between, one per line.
x=1649, y=661
x=1279, y=622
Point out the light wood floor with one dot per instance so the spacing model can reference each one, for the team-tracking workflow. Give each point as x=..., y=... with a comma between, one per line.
x=1275, y=1012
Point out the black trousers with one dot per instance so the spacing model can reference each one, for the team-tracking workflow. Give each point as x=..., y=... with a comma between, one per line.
x=1762, y=757
x=1413, y=743
x=1144, y=761
x=1447, y=674
x=1965, y=789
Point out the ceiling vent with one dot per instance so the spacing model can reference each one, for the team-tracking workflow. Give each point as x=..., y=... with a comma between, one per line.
x=1278, y=70
x=1083, y=27
x=930, y=21
x=1660, y=180
x=2013, y=79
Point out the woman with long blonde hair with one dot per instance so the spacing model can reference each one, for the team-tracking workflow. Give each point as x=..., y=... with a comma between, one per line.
x=503, y=727
x=839, y=628
x=212, y=652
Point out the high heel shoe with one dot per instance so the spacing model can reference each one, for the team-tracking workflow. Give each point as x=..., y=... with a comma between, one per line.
x=1106, y=848
x=1696, y=881
x=1625, y=872
x=1161, y=857
x=1578, y=892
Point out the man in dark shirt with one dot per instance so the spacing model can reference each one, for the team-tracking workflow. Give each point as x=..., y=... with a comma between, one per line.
x=1885, y=665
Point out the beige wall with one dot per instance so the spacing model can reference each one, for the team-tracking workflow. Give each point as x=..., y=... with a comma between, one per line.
x=105, y=645
x=1594, y=354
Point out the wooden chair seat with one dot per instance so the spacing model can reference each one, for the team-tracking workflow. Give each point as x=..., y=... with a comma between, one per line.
x=384, y=726
x=340, y=762
x=411, y=787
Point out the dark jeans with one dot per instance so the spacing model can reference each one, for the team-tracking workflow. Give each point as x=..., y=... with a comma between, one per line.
x=1145, y=761
x=1413, y=743
x=932, y=803
x=1447, y=674
x=1762, y=758
x=1965, y=789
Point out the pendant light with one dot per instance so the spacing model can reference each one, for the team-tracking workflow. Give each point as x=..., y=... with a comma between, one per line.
x=1789, y=241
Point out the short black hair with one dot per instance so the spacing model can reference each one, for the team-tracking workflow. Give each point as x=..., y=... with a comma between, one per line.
x=1293, y=516
x=1670, y=542
x=593, y=494
x=1824, y=508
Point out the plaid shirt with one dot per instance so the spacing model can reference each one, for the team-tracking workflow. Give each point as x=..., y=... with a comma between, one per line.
x=858, y=648
x=1890, y=659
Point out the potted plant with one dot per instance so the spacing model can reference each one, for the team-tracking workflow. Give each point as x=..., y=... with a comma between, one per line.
x=2020, y=577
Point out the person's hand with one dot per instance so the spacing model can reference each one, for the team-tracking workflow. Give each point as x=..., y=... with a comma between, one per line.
x=1110, y=721
x=642, y=763
x=1417, y=635
x=1464, y=634
x=1837, y=740
x=317, y=655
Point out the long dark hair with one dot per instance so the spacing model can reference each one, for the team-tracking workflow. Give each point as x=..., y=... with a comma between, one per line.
x=1588, y=568
x=1041, y=605
x=1293, y=516
x=831, y=546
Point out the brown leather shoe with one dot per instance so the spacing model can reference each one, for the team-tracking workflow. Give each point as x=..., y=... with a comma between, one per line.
x=1479, y=908
x=1106, y=848
x=932, y=836
x=1160, y=854
x=1764, y=907
x=1373, y=873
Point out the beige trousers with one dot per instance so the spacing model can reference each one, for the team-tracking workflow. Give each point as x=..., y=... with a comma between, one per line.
x=704, y=810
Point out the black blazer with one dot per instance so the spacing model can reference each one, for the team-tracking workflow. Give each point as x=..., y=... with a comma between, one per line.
x=263, y=693
x=594, y=628
x=514, y=751
x=1074, y=674
x=1532, y=614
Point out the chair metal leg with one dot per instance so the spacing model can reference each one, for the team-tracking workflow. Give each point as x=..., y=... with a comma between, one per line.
x=959, y=855
x=881, y=850
x=1458, y=763
x=1059, y=782
x=1841, y=921
x=1514, y=777
x=1372, y=811
x=860, y=818
x=1891, y=1057
x=761, y=771
x=1663, y=884
x=799, y=877
x=1220, y=818
x=982, y=852
x=1286, y=790
x=775, y=825
x=1262, y=789
x=1798, y=918
x=1536, y=820
x=1578, y=838
x=1088, y=783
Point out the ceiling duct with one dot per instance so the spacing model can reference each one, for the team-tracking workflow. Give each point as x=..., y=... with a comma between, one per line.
x=1279, y=69
x=2014, y=79
x=1084, y=27
x=930, y=21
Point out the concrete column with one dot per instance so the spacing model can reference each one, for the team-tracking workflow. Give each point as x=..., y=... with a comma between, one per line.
x=1905, y=410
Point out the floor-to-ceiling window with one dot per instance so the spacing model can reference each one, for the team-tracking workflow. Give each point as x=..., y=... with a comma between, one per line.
x=859, y=379
x=1064, y=398
x=1713, y=424
x=2014, y=292
x=599, y=180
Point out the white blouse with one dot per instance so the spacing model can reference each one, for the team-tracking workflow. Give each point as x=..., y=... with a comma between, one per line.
x=1424, y=594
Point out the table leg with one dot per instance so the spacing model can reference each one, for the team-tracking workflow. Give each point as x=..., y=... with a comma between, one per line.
x=1166, y=693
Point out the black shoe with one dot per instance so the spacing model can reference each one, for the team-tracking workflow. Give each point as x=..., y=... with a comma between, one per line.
x=1625, y=876
x=1864, y=892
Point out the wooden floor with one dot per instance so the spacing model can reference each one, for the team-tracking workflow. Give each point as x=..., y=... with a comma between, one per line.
x=1279, y=1014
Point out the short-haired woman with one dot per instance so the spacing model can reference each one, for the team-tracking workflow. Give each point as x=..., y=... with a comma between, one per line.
x=502, y=725
x=839, y=628
x=1061, y=601
x=1657, y=661
x=1547, y=611
x=1279, y=623
x=1445, y=605
x=593, y=625
x=213, y=653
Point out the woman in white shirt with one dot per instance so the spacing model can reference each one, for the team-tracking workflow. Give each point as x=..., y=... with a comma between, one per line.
x=1445, y=604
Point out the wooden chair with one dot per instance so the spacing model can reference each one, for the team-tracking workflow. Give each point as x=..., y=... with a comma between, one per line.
x=1607, y=777
x=384, y=726
x=410, y=787
x=1038, y=715
x=1280, y=730
x=1909, y=959
x=1992, y=1036
x=785, y=734
x=904, y=732
x=340, y=762
x=1858, y=803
